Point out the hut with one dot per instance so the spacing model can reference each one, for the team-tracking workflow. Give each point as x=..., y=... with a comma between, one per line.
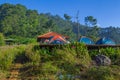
x=86, y=40
x=105, y=41
x=51, y=37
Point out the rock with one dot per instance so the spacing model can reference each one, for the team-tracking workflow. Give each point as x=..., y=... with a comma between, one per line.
x=102, y=60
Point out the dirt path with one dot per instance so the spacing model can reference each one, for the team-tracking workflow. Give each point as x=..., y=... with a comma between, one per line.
x=15, y=72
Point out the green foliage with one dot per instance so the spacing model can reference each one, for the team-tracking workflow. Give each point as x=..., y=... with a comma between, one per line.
x=112, y=53
x=92, y=29
x=103, y=73
x=17, y=20
x=2, y=42
x=100, y=73
x=65, y=59
x=47, y=63
x=93, y=53
x=82, y=54
x=20, y=54
x=67, y=17
x=90, y=21
x=72, y=58
x=49, y=68
x=108, y=52
x=64, y=62
x=25, y=40
x=45, y=55
x=32, y=55
x=8, y=55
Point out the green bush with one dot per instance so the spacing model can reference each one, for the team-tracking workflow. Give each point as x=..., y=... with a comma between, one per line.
x=83, y=55
x=93, y=53
x=71, y=58
x=32, y=55
x=99, y=73
x=102, y=73
x=7, y=56
x=66, y=54
x=112, y=53
x=49, y=68
x=2, y=42
x=45, y=55
x=20, y=55
x=66, y=60
x=25, y=40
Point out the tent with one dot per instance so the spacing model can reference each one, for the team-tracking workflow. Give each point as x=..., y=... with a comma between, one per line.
x=106, y=41
x=57, y=40
x=86, y=40
x=44, y=38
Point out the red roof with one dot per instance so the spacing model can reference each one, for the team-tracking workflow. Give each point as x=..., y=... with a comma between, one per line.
x=57, y=37
x=49, y=34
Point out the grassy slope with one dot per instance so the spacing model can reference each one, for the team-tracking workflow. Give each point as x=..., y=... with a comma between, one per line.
x=53, y=64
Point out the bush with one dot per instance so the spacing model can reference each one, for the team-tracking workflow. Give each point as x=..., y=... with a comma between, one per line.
x=2, y=42
x=32, y=55
x=99, y=73
x=7, y=56
x=49, y=68
x=71, y=58
x=20, y=55
x=45, y=55
x=83, y=55
x=112, y=53
x=102, y=73
x=93, y=53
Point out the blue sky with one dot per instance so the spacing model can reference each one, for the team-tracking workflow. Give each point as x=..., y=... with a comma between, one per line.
x=107, y=12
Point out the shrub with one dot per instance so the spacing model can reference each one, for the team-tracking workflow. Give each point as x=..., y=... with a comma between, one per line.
x=93, y=53
x=49, y=68
x=7, y=56
x=102, y=73
x=20, y=55
x=65, y=54
x=108, y=52
x=2, y=42
x=71, y=58
x=32, y=55
x=65, y=59
x=83, y=55
x=112, y=53
x=99, y=73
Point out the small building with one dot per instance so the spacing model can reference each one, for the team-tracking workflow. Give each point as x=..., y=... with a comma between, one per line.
x=51, y=37
x=86, y=40
x=105, y=41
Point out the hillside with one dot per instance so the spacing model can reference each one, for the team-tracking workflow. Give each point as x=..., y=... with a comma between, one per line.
x=18, y=22
x=71, y=62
